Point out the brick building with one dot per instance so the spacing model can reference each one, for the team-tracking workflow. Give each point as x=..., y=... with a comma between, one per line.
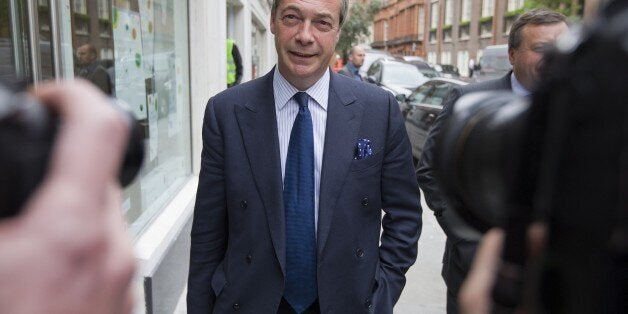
x=448, y=31
x=400, y=27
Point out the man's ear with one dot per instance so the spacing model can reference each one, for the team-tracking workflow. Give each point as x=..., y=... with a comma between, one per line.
x=272, y=23
x=511, y=55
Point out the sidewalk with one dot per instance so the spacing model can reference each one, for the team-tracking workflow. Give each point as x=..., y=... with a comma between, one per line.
x=425, y=291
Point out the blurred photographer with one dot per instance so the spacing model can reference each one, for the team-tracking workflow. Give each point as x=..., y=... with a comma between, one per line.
x=552, y=174
x=530, y=35
x=67, y=250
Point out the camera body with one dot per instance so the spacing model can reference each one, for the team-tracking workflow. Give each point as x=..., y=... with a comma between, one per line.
x=560, y=158
x=27, y=134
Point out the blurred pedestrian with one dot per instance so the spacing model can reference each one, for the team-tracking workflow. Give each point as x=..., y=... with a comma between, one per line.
x=91, y=69
x=530, y=35
x=471, y=67
x=234, y=64
x=356, y=60
x=296, y=169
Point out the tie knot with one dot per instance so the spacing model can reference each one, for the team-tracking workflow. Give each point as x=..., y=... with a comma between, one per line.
x=302, y=99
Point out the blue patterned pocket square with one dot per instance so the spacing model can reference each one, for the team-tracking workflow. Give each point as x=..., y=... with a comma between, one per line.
x=363, y=149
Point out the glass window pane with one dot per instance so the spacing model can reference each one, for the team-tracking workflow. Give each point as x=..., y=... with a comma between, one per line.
x=13, y=42
x=137, y=51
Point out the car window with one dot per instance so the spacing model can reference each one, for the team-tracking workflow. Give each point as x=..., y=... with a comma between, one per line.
x=420, y=93
x=375, y=70
x=402, y=74
x=438, y=93
x=371, y=56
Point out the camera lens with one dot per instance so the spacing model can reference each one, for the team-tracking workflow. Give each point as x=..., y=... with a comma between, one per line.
x=478, y=156
x=27, y=133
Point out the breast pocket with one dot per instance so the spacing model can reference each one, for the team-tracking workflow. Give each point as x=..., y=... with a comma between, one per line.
x=366, y=163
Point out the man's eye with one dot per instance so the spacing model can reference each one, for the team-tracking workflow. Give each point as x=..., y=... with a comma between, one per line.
x=323, y=25
x=290, y=19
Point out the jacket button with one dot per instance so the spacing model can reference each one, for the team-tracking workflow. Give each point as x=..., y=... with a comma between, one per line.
x=367, y=304
x=236, y=306
x=365, y=201
x=359, y=253
x=249, y=258
x=243, y=204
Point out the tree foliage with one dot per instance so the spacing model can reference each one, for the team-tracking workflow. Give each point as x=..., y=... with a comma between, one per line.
x=357, y=24
x=570, y=8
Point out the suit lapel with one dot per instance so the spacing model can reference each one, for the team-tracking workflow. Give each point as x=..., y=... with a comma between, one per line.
x=344, y=115
x=258, y=124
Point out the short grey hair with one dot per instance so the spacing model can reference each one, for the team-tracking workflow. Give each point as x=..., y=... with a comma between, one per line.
x=344, y=8
x=532, y=17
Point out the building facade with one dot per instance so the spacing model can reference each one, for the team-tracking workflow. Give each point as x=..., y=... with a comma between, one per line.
x=448, y=31
x=164, y=58
x=399, y=27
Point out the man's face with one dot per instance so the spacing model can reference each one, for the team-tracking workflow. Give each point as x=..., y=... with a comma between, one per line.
x=527, y=59
x=306, y=32
x=357, y=57
x=84, y=56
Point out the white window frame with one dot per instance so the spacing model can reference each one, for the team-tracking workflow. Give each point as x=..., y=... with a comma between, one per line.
x=434, y=13
x=488, y=8
x=421, y=20
x=465, y=11
x=449, y=12
x=80, y=6
x=103, y=9
x=514, y=5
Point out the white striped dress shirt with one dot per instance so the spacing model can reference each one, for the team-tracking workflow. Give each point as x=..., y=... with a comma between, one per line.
x=286, y=109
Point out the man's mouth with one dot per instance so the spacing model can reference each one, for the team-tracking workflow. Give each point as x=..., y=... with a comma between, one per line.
x=302, y=55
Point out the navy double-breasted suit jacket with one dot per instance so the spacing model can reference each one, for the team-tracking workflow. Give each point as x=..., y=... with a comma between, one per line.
x=237, y=259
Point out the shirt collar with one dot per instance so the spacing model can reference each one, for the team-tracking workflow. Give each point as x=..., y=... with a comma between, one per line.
x=516, y=86
x=352, y=67
x=284, y=91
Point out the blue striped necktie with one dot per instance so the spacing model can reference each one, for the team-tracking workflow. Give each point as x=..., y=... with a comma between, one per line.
x=298, y=196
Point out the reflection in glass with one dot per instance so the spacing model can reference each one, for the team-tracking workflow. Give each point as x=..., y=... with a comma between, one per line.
x=13, y=42
x=151, y=75
x=92, y=43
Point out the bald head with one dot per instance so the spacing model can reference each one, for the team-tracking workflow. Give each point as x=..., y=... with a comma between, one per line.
x=356, y=56
x=86, y=54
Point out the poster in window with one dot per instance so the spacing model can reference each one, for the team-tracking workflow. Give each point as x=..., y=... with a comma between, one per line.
x=130, y=77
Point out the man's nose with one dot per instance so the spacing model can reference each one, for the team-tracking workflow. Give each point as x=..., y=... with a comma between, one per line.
x=304, y=34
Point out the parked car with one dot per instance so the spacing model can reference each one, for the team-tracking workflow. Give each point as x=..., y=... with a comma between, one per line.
x=394, y=76
x=413, y=58
x=370, y=55
x=425, y=68
x=493, y=64
x=447, y=70
x=422, y=107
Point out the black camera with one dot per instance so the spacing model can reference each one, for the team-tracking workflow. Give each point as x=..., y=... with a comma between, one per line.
x=27, y=133
x=561, y=158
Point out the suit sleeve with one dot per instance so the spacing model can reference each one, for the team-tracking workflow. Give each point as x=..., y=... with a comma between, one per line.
x=401, y=223
x=209, y=227
x=425, y=176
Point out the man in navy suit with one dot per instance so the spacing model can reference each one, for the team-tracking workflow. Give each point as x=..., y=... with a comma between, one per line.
x=265, y=216
x=530, y=35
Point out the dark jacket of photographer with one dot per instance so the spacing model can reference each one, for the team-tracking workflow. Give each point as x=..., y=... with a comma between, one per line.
x=460, y=247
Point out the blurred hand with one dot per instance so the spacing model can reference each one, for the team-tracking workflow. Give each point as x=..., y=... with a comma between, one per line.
x=68, y=252
x=475, y=293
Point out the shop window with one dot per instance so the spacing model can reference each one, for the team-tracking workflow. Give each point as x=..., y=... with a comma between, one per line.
x=142, y=59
